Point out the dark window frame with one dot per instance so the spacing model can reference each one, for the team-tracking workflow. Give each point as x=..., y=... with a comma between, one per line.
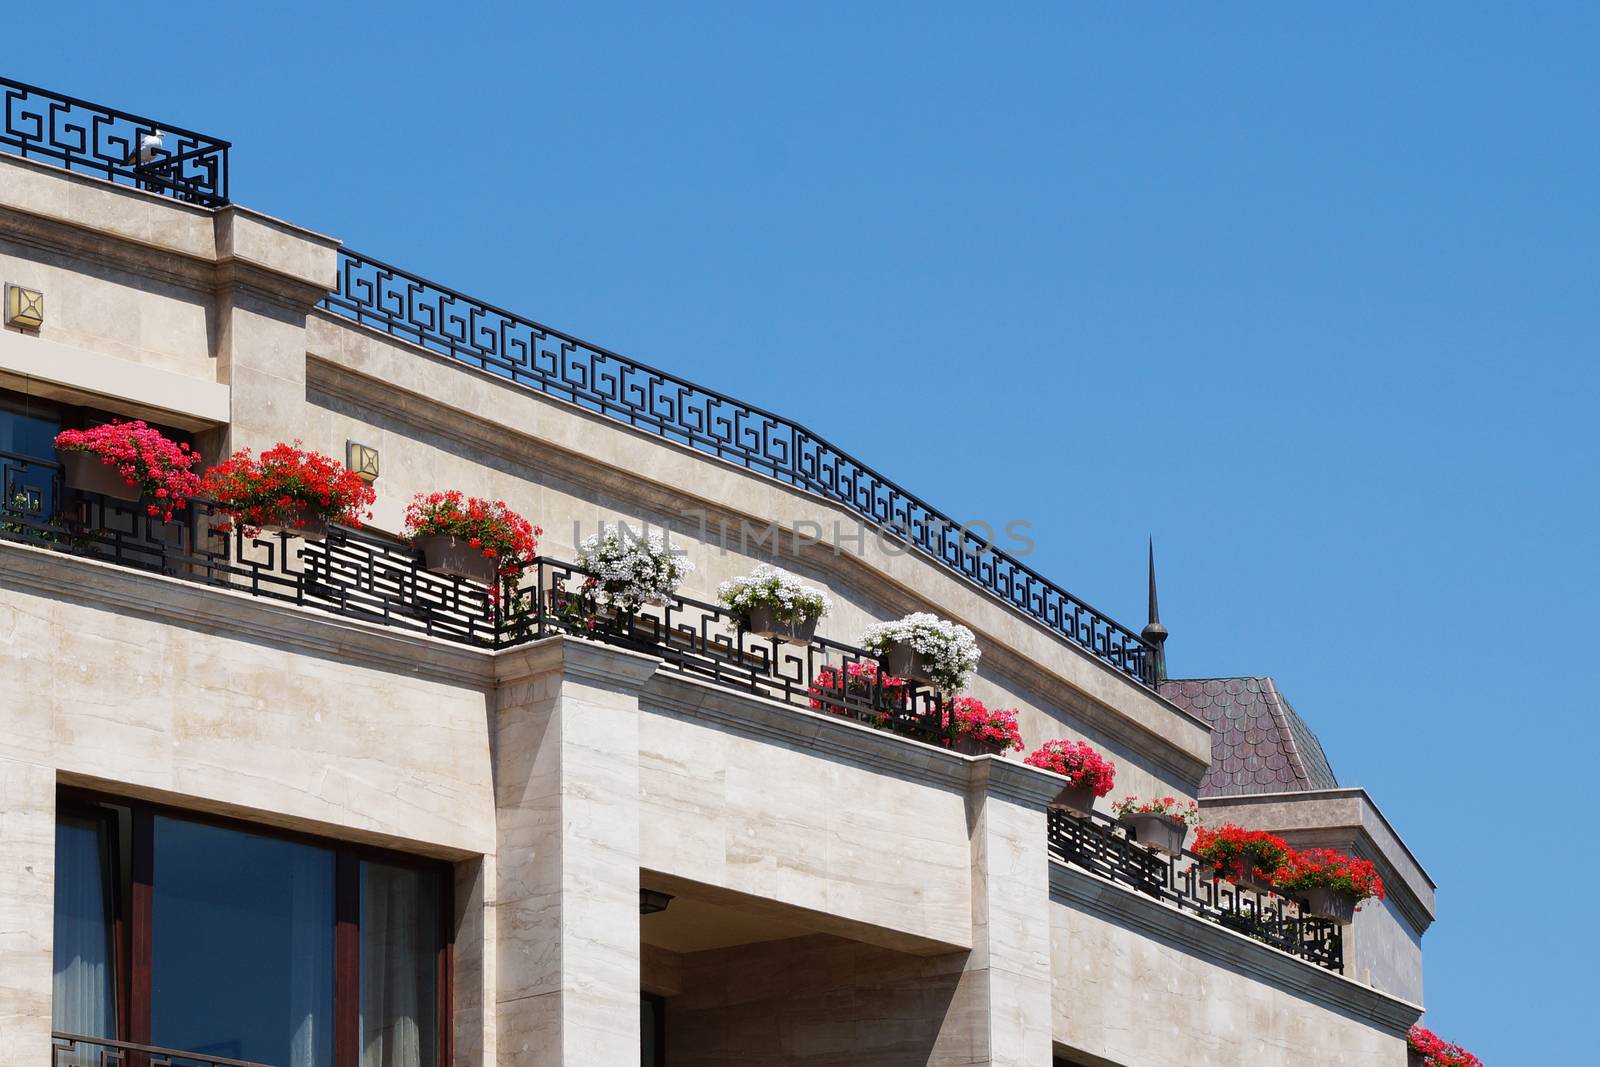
x=133, y=931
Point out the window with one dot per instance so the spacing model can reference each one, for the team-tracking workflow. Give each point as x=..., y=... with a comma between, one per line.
x=233, y=941
x=652, y=1030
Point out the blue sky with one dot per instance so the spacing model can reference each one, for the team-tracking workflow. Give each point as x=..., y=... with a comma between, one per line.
x=1308, y=295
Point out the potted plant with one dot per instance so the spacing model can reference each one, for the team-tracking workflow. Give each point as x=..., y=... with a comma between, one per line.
x=628, y=571
x=1161, y=824
x=130, y=461
x=287, y=490
x=1424, y=1048
x=1088, y=773
x=773, y=604
x=470, y=538
x=925, y=649
x=1329, y=884
x=859, y=680
x=980, y=730
x=1248, y=858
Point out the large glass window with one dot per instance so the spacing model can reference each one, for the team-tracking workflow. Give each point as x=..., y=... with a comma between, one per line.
x=231, y=941
x=241, y=960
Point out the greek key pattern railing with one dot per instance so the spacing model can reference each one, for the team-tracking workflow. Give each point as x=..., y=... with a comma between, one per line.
x=361, y=576
x=78, y=1050
x=78, y=135
x=1098, y=844
x=441, y=320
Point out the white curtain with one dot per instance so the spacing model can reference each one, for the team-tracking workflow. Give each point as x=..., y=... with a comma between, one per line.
x=310, y=957
x=399, y=942
x=83, y=1001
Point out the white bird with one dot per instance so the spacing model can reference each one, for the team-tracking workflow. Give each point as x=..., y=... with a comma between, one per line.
x=149, y=145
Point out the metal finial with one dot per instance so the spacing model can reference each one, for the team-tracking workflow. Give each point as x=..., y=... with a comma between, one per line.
x=1154, y=634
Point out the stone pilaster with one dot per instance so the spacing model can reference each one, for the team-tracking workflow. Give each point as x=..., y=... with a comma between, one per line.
x=566, y=907
x=27, y=909
x=1001, y=1014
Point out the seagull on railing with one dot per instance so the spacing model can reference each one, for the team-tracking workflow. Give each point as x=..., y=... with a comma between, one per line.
x=149, y=145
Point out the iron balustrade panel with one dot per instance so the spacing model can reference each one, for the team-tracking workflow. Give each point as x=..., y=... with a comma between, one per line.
x=1098, y=845
x=79, y=1050
x=707, y=641
x=94, y=139
x=349, y=573
x=383, y=297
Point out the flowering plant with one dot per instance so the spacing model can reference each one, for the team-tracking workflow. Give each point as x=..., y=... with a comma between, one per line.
x=857, y=680
x=486, y=526
x=1172, y=807
x=1080, y=763
x=769, y=587
x=287, y=486
x=996, y=726
x=1327, y=868
x=629, y=570
x=157, y=466
x=1437, y=1052
x=1224, y=846
x=951, y=647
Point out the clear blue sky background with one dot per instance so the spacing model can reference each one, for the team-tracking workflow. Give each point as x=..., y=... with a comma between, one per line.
x=1309, y=295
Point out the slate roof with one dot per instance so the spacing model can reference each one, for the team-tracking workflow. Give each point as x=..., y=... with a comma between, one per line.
x=1258, y=742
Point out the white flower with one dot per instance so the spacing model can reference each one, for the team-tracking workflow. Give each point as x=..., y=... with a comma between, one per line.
x=951, y=646
x=769, y=587
x=631, y=570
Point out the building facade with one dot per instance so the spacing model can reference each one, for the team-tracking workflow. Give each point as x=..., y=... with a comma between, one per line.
x=302, y=802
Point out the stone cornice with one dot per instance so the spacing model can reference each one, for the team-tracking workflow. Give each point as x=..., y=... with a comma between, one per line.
x=619, y=670
x=1344, y=818
x=1007, y=779
x=1226, y=948
x=230, y=614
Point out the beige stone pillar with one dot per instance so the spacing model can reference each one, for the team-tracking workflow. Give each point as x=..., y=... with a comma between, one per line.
x=269, y=276
x=566, y=908
x=1001, y=1013
x=27, y=909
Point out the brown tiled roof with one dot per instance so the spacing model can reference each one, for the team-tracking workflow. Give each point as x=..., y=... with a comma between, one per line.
x=1258, y=743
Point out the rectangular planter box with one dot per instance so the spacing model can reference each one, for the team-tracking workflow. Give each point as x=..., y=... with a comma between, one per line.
x=301, y=522
x=762, y=622
x=904, y=661
x=447, y=554
x=84, y=471
x=1160, y=832
x=1330, y=904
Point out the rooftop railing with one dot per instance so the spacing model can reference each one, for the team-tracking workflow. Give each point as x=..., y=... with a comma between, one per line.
x=1097, y=844
x=100, y=140
x=384, y=297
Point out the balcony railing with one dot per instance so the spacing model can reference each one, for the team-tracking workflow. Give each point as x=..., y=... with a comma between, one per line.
x=76, y=1050
x=94, y=139
x=361, y=576
x=1098, y=844
x=441, y=320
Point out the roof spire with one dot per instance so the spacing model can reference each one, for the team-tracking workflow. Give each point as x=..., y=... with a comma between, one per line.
x=1154, y=634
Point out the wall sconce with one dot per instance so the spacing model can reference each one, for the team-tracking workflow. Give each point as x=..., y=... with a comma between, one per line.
x=652, y=901
x=24, y=307
x=363, y=459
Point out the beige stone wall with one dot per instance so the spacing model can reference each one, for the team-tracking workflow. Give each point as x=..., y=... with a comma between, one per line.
x=1140, y=984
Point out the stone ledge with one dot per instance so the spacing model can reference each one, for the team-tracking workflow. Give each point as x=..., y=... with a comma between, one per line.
x=1124, y=907
x=225, y=612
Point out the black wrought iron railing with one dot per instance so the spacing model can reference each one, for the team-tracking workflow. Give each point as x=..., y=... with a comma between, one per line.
x=95, y=139
x=384, y=297
x=1098, y=844
x=362, y=576
x=78, y=1050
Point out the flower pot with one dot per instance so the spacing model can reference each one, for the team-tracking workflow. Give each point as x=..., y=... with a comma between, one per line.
x=763, y=622
x=904, y=661
x=300, y=521
x=1077, y=799
x=1240, y=871
x=1164, y=833
x=84, y=471
x=449, y=554
x=1324, y=902
x=968, y=745
x=1415, y=1058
